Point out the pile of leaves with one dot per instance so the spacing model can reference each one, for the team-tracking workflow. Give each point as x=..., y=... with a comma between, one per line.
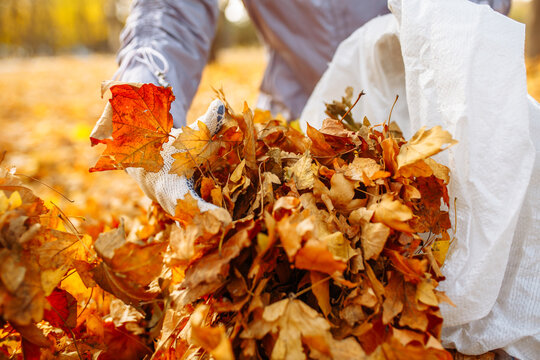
x=322, y=246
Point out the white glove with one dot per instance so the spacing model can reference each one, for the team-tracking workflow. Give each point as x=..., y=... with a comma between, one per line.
x=167, y=188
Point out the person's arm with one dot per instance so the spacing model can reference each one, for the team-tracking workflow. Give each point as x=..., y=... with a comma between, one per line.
x=166, y=42
x=502, y=6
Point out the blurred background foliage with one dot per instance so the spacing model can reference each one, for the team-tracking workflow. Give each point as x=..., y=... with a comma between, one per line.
x=52, y=27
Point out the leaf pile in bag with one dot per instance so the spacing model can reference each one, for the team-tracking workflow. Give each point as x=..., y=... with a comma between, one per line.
x=323, y=258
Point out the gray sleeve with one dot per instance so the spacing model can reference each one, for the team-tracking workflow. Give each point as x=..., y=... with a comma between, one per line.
x=167, y=42
x=502, y=6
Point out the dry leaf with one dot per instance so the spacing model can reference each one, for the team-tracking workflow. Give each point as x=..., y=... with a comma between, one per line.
x=393, y=214
x=423, y=144
x=141, y=124
x=196, y=147
x=294, y=322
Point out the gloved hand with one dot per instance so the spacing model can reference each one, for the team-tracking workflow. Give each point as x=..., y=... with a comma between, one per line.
x=167, y=188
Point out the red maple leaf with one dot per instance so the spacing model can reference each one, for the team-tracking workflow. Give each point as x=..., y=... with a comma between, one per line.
x=141, y=123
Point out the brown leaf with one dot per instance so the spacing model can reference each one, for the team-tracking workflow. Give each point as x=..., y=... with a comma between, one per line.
x=394, y=294
x=214, y=267
x=390, y=150
x=291, y=230
x=412, y=269
x=33, y=334
x=319, y=147
x=392, y=213
x=411, y=316
x=314, y=255
x=342, y=193
x=139, y=263
x=361, y=168
x=373, y=238
x=320, y=288
x=141, y=124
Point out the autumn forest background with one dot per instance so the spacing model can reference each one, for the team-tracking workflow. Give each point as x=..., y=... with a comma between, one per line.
x=54, y=55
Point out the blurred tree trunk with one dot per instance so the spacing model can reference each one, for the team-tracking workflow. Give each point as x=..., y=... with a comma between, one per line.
x=222, y=36
x=114, y=24
x=534, y=30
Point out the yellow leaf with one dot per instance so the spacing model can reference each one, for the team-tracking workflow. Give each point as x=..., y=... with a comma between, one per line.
x=440, y=249
x=196, y=147
x=424, y=144
x=237, y=173
x=15, y=200
x=4, y=202
x=439, y=171
x=212, y=339
x=50, y=278
x=339, y=246
x=302, y=174
x=425, y=294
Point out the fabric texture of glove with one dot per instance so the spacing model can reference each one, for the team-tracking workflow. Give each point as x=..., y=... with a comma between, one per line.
x=166, y=188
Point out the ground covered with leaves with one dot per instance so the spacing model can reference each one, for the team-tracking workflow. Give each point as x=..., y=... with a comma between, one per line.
x=320, y=256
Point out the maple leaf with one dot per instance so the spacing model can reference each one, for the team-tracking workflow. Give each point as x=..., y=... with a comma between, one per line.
x=196, y=146
x=63, y=310
x=295, y=323
x=302, y=173
x=141, y=123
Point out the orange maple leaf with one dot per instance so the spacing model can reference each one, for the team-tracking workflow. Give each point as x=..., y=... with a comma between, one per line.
x=141, y=123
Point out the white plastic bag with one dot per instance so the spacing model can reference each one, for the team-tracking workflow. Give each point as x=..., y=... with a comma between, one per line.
x=461, y=66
